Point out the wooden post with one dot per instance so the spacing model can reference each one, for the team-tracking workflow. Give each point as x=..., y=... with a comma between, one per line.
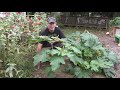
x=113, y=31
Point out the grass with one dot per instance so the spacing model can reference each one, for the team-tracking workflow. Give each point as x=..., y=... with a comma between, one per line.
x=69, y=30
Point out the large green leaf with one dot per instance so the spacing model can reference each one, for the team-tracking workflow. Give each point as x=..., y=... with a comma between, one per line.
x=69, y=68
x=80, y=73
x=48, y=70
x=105, y=64
x=64, y=52
x=89, y=40
x=94, y=65
x=109, y=72
x=88, y=52
x=54, y=51
x=74, y=58
x=42, y=57
x=55, y=62
x=112, y=56
x=77, y=51
x=60, y=51
x=97, y=64
x=71, y=41
x=58, y=48
x=86, y=65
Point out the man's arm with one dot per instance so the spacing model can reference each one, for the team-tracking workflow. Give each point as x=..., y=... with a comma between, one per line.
x=39, y=48
x=40, y=44
x=61, y=34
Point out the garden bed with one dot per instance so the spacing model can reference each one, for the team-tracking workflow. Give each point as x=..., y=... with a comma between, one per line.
x=107, y=41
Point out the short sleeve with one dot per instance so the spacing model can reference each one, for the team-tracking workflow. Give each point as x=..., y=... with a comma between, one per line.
x=61, y=34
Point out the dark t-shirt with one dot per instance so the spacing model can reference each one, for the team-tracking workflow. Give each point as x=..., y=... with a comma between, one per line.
x=46, y=32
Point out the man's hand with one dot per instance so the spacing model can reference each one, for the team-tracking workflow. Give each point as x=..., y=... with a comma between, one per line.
x=39, y=47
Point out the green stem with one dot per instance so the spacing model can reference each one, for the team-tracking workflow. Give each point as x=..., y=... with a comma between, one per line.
x=51, y=45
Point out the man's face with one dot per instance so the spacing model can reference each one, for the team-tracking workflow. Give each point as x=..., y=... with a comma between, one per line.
x=51, y=26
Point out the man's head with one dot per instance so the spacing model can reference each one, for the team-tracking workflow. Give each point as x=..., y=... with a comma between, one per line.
x=51, y=24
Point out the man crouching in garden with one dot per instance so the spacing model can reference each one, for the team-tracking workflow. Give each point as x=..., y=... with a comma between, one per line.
x=51, y=31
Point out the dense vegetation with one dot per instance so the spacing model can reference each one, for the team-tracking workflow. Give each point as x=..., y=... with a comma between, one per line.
x=19, y=35
x=15, y=51
x=85, y=52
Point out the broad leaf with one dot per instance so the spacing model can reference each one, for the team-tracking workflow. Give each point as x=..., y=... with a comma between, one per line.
x=51, y=75
x=112, y=57
x=88, y=53
x=58, y=48
x=42, y=57
x=54, y=51
x=79, y=73
x=64, y=52
x=86, y=65
x=110, y=72
x=94, y=65
x=48, y=70
x=55, y=62
x=73, y=58
x=105, y=64
x=69, y=69
x=77, y=51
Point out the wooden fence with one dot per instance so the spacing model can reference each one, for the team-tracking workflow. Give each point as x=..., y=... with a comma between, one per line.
x=85, y=21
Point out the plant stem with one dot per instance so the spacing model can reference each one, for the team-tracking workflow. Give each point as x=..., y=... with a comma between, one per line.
x=51, y=45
